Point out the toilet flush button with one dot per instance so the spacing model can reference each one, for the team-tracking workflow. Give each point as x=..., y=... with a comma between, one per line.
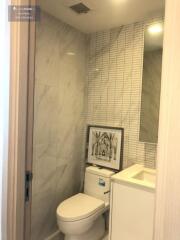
x=102, y=182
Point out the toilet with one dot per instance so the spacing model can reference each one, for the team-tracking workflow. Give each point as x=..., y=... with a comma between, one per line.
x=80, y=217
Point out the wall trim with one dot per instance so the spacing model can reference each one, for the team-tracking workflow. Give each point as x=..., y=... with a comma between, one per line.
x=17, y=126
x=30, y=120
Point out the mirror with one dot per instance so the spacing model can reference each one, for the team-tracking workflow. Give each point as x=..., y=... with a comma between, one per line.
x=151, y=82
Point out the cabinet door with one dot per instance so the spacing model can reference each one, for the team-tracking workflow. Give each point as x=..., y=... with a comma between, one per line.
x=132, y=213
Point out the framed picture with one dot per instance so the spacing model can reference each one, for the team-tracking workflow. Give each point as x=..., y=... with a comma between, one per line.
x=105, y=146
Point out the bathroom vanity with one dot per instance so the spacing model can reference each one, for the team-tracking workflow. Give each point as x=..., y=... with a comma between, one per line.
x=132, y=204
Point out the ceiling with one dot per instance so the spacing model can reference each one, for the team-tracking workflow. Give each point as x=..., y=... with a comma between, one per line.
x=104, y=14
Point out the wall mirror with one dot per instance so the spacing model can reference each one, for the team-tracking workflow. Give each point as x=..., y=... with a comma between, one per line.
x=151, y=82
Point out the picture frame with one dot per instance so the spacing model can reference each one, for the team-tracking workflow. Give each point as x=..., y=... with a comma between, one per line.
x=105, y=146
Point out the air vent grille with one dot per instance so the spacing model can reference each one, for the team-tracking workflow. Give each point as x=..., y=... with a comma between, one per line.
x=80, y=8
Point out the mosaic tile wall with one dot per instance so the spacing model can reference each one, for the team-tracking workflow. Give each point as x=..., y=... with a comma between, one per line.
x=115, y=61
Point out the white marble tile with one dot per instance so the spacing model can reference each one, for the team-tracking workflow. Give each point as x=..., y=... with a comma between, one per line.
x=59, y=120
x=44, y=168
x=45, y=114
x=43, y=220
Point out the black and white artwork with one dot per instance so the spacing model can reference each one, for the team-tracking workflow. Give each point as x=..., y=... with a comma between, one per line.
x=105, y=146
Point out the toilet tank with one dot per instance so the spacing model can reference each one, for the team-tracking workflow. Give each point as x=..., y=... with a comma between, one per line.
x=97, y=183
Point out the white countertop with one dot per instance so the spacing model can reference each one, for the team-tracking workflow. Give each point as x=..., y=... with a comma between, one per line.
x=137, y=175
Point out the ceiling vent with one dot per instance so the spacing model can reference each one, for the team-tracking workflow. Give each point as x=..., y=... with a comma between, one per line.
x=80, y=8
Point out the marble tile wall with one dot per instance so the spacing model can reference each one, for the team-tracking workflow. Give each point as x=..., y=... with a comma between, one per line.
x=115, y=63
x=58, y=121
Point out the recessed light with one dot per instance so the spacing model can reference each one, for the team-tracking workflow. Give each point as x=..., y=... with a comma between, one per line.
x=118, y=1
x=155, y=28
x=71, y=53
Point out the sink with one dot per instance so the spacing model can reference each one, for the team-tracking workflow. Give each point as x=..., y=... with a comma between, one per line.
x=137, y=175
x=146, y=176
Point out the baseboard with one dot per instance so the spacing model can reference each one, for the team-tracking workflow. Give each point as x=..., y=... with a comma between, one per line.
x=53, y=236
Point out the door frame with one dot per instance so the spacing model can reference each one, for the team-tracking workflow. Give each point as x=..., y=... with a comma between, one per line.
x=22, y=49
x=30, y=122
x=167, y=220
x=167, y=210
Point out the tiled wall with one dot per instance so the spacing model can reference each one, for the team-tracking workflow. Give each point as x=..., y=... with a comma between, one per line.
x=108, y=93
x=115, y=61
x=59, y=120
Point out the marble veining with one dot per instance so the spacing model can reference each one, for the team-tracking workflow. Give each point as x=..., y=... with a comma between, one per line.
x=59, y=121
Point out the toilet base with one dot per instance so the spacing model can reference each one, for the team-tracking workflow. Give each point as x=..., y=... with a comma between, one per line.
x=96, y=232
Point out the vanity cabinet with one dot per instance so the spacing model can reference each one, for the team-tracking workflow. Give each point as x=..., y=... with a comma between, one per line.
x=132, y=212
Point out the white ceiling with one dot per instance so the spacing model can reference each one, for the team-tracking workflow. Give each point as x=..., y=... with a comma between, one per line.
x=104, y=14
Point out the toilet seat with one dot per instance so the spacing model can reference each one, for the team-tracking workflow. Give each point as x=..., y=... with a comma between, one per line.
x=78, y=207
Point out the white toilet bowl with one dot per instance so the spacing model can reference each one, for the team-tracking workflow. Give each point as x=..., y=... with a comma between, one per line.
x=80, y=218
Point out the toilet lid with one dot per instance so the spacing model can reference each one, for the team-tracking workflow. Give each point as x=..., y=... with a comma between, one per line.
x=78, y=207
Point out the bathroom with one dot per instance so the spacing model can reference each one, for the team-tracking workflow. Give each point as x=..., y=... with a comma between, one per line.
x=97, y=68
